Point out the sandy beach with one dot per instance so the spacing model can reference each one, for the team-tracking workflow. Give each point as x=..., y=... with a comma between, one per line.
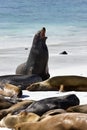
x=74, y=63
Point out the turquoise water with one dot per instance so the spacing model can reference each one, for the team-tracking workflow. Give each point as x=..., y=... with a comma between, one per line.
x=65, y=20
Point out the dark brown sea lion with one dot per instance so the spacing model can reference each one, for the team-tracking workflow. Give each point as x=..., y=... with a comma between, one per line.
x=37, y=62
x=65, y=121
x=62, y=102
x=21, y=81
x=7, y=102
x=61, y=83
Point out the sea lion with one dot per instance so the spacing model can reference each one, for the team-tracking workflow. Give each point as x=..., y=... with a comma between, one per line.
x=37, y=62
x=10, y=90
x=65, y=121
x=52, y=113
x=10, y=120
x=7, y=102
x=21, y=81
x=18, y=107
x=78, y=108
x=61, y=83
x=62, y=102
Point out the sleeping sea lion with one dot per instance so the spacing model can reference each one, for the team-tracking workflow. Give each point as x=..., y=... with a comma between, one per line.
x=10, y=90
x=21, y=81
x=65, y=121
x=61, y=83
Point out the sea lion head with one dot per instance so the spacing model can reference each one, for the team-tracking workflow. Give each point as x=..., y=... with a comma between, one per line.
x=37, y=86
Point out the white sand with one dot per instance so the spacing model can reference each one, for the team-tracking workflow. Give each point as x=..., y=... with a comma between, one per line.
x=75, y=63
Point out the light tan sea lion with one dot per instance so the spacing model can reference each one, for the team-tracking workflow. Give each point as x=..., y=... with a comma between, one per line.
x=65, y=121
x=10, y=121
x=15, y=108
x=78, y=108
x=52, y=113
x=10, y=90
x=61, y=83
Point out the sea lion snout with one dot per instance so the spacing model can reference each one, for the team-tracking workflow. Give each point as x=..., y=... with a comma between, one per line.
x=34, y=86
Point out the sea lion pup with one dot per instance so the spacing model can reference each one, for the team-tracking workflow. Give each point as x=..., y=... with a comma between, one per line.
x=63, y=102
x=78, y=108
x=10, y=90
x=65, y=121
x=21, y=81
x=63, y=83
x=20, y=106
x=10, y=121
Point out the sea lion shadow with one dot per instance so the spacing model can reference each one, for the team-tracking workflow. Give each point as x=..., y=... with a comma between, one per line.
x=25, y=96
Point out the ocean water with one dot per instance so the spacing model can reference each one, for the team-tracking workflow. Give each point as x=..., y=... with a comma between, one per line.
x=65, y=21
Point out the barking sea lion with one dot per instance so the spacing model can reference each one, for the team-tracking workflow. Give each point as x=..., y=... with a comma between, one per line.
x=37, y=62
